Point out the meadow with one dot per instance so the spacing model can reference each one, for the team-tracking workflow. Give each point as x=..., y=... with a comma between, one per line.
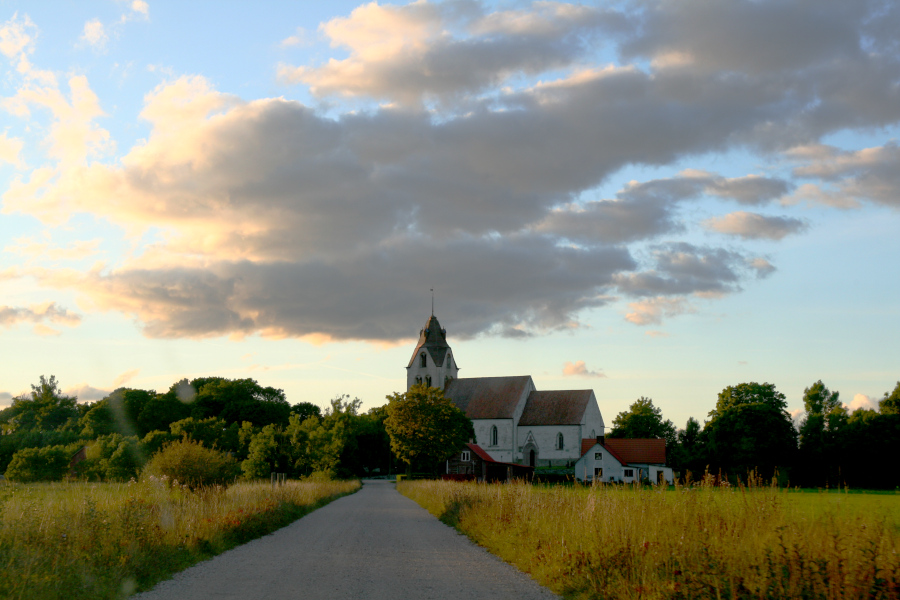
x=108, y=540
x=616, y=542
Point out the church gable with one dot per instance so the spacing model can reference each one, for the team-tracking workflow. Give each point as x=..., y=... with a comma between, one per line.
x=433, y=341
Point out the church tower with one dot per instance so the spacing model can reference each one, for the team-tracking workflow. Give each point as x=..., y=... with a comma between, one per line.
x=432, y=362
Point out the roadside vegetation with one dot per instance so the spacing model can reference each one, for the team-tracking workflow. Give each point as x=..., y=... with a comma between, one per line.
x=630, y=543
x=108, y=540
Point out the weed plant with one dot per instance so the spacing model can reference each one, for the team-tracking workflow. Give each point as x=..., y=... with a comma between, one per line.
x=618, y=542
x=108, y=540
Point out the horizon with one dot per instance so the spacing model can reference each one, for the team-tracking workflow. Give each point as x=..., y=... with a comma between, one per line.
x=645, y=200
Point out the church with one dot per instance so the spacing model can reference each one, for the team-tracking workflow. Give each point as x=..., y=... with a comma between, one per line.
x=515, y=423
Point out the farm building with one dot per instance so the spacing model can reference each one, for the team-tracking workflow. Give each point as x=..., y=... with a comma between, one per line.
x=623, y=460
x=475, y=464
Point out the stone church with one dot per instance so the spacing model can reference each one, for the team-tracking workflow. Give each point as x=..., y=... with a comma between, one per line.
x=514, y=422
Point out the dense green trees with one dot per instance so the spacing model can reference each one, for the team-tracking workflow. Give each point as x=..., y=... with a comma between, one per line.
x=644, y=420
x=425, y=427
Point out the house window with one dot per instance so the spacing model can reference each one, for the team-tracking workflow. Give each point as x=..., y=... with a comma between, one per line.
x=559, y=441
x=428, y=380
x=598, y=473
x=423, y=360
x=494, y=435
x=598, y=456
x=629, y=473
x=465, y=456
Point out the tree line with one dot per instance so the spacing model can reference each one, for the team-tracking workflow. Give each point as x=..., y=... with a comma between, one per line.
x=750, y=429
x=42, y=431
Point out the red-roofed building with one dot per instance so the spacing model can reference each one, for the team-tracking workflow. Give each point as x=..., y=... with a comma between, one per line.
x=623, y=460
x=475, y=464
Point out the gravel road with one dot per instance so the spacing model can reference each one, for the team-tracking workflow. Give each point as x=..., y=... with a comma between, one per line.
x=373, y=544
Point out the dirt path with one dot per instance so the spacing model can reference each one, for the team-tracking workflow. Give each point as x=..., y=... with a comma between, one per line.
x=373, y=544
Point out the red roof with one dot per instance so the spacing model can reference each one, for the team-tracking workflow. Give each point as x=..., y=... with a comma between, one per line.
x=589, y=443
x=639, y=451
x=487, y=457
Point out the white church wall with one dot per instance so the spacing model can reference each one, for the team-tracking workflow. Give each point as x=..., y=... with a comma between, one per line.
x=592, y=421
x=545, y=438
x=503, y=450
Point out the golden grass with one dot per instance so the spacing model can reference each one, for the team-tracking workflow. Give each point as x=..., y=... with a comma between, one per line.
x=107, y=540
x=618, y=542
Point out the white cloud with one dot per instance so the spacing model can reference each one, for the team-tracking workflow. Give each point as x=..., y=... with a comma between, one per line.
x=862, y=401
x=141, y=8
x=753, y=226
x=86, y=393
x=94, y=34
x=578, y=369
x=652, y=310
x=38, y=313
x=125, y=377
x=10, y=148
x=849, y=178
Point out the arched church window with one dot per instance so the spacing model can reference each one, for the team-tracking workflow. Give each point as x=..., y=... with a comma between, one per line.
x=423, y=362
x=593, y=435
x=428, y=380
x=494, y=435
x=418, y=380
x=559, y=441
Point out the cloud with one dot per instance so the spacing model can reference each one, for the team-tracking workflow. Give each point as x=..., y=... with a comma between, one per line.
x=94, y=34
x=31, y=248
x=683, y=269
x=862, y=401
x=38, y=314
x=849, y=178
x=141, y=8
x=86, y=393
x=125, y=378
x=10, y=148
x=753, y=226
x=482, y=174
x=424, y=50
x=301, y=38
x=44, y=331
x=652, y=310
x=578, y=369
x=656, y=334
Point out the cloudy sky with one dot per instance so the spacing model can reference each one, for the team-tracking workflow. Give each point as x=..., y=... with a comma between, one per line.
x=645, y=198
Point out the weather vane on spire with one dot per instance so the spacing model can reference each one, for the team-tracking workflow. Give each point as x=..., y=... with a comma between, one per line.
x=432, y=302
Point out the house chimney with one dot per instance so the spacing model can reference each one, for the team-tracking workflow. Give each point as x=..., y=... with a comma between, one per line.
x=601, y=439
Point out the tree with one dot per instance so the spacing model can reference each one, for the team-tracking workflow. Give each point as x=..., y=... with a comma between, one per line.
x=890, y=404
x=46, y=409
x=750, y=429
x=192, y=464
x=425, y=426
x=305, y=410
x=688, y=454
x=819, y=453
x=643, y=420
x=38, y=464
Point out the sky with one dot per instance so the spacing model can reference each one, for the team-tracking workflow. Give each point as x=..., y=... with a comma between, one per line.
x=645, y=198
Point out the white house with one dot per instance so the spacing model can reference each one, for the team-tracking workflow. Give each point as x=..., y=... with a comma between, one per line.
x=514, y=422
x=623, y=460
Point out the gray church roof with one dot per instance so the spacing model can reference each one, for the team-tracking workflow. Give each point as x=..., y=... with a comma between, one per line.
x=433, y=339
x=555, y=407
x=488, y=397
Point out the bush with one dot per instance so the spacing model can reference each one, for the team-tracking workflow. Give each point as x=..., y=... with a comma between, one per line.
x=38, y=464
x=190, y=463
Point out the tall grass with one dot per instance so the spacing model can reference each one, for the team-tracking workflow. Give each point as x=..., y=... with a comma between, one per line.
x=106, y=540
x=618, y=542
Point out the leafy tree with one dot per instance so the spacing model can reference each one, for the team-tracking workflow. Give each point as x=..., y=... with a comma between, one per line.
x=239, y=400
x=689, y=453
x=192, y=464
x=749, y=429
x=425, y=426
x=890, y=404
x=305, y=410
x=819, y=452
x=209, y=432
x=154, y=441
x=39, y=464
x=644, y=420
x=265, y=454
x=45, y=409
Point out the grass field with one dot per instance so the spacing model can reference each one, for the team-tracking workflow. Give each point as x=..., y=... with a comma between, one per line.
x=107, y=540
x=617, y=542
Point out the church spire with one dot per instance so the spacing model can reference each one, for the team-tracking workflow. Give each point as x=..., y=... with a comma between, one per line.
x=432, y=361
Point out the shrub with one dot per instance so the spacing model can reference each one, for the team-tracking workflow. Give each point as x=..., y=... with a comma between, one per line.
x=190, y=463
x=38, y=464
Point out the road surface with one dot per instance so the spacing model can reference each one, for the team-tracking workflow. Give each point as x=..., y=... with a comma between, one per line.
x=375, y=544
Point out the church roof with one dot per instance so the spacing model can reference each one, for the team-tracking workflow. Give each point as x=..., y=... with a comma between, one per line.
x=555, y=407
x=488, y=397
x=433, y=339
